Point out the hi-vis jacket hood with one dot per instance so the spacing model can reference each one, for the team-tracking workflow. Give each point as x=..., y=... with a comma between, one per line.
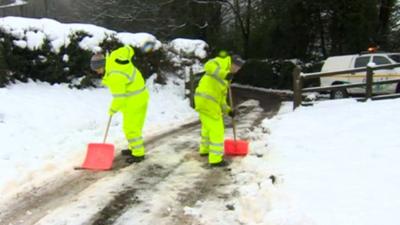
x=210, y=95
x=218, y=66
x=121, y=56
x=124, y=80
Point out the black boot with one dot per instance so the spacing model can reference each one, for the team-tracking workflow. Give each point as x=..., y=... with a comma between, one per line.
x=126, y=152
x=223, y=163
x=134, y=159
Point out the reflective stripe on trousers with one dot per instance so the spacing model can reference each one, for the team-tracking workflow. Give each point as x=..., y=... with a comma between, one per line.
x=214, y=130
x=132, y=125
x=204, y=144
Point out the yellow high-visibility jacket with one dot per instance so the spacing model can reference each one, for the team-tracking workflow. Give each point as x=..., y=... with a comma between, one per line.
x=124, y=80
x=210, y=96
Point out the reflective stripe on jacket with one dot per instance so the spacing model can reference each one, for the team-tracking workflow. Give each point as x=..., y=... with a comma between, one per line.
x=210, y=95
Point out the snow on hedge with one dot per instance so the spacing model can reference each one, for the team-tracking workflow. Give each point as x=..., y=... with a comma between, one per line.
x=32, y=33
x=193, y=47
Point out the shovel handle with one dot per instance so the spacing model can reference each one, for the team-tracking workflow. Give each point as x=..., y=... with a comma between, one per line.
x=232, y=108
x=108, y=127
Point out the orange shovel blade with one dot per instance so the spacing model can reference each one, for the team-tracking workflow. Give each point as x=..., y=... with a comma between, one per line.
x=99, y=156
x=238, y=147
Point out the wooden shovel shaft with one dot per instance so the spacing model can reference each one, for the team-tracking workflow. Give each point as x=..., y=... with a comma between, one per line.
x=232, y=108
x=108, y=127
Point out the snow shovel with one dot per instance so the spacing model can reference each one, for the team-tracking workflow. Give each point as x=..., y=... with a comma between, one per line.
x=99, y=156
x=235, y=147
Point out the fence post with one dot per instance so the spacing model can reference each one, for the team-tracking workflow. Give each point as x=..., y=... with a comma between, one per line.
x=297, y=86
x=191, y=86
x=368, y=91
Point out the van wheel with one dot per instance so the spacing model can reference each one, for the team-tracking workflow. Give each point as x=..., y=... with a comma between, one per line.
x=337, y=94
x=398, y=88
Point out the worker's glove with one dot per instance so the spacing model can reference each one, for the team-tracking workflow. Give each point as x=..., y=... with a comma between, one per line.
x=232, y=113
x=111, y=112
x=229, y=77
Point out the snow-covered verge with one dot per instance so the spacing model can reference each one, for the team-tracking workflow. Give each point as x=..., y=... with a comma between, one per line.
x=339, y=160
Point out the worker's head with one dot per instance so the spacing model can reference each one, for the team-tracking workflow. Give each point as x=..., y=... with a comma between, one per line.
x=148, y=47
x=236, y=63
x=97, y=63
x=123, y=55
x=222, y=54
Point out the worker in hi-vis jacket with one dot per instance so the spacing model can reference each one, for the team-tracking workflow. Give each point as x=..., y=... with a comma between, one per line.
x=211, y=103
x=130, y=96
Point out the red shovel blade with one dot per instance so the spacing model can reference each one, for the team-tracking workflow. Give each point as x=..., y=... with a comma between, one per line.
x=238, y=147
x=99, y=156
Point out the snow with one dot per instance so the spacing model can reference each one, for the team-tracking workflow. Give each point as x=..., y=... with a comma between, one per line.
x=333, y=163
x=339, y=160
x=190, y=46
x=43, y=126
x=31, y=33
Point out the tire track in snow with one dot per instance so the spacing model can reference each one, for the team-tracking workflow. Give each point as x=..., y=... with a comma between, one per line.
x=99, y=203
x=214, y=181
x=31, y=206
x=39, y=206
x=199, y=184
x=152, y=176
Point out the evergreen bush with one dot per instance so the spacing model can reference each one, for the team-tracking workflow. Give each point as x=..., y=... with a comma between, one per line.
x=69, y=65
x=276, y=74
x=4, y=72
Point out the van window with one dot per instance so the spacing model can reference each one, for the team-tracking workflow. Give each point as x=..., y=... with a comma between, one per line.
x=362, y=61
x=395, y=58
x=379, y=60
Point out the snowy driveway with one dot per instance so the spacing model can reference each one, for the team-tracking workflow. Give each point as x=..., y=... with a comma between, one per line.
x=161, y=190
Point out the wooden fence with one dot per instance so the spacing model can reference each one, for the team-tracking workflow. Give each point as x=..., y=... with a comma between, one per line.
x=191, y=85
x=11, y=4
x=298, y=80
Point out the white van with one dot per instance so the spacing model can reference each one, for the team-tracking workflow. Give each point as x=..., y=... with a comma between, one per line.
x=345, y=62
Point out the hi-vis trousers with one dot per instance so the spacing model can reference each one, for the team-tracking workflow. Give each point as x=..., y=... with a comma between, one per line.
x=133, y=121
x=212, y=138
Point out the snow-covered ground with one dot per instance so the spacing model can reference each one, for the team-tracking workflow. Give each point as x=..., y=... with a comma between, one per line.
x=47, y=127
x=339, y=160
x=333, y=163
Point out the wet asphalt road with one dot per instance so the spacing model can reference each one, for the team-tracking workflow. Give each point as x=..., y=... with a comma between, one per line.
x=270, y=102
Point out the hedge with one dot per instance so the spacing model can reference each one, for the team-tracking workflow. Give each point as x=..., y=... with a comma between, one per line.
x=274, y=74
x=69, y=65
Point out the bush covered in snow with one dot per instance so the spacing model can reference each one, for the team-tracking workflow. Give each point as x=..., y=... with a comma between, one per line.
x=46, y=50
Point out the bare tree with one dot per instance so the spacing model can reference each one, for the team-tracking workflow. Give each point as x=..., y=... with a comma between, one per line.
x=129, y=15
x=239, y=12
